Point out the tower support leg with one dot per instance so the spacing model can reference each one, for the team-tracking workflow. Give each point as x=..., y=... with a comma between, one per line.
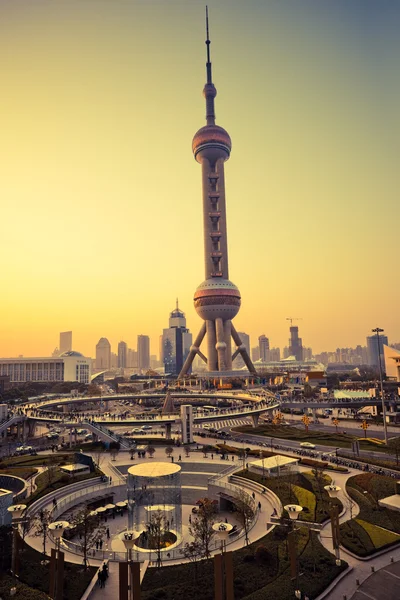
x=211, y=341
x=227, y=335
x=220, y=345
x=193, y=351
x=242, y=350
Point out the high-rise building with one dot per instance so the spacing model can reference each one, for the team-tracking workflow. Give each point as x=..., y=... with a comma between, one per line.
x=122, y=355
x=263, y=344
x=372, y=349
x=143, y=350
x=274, y=354
x=295, y=343
x=114, y=360
x=103, y=354
x=65, y=341
x=176, y=342
x=238, y=362
x=307, y=353
x=255, y=354
x=217, y=300
x=132, y=359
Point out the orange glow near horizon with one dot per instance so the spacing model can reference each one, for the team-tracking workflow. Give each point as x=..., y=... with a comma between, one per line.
x=101, y=212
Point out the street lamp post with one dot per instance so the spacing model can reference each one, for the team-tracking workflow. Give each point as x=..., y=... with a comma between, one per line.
x=56, y=584
x=129, y=572
x=223, y=565
x=293, y=511
x=16, y=513
x=333, y=491
x=378, y=330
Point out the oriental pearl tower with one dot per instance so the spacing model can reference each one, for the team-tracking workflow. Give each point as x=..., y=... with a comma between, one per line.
x=216, y=300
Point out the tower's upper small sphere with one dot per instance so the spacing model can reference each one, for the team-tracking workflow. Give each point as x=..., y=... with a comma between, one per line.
x=217, y=298
x=212, y=142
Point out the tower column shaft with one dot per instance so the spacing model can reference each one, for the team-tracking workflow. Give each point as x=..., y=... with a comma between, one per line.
x=227, y=336
x=221, y=346
x=214, y=219
x=211, y=349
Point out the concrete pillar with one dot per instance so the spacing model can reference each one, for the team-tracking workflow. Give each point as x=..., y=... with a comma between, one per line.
x=168, y=430
x=211, y=341
x=254, y=419
x=220, y=345
x=227, y=336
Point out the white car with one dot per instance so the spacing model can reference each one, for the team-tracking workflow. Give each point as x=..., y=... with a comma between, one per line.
x=307, y=445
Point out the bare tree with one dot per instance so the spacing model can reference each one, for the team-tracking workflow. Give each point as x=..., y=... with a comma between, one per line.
x=169, y=450
x=193, y=553
x=89, y=530
x=320, y=478
x=99, y=456
x=151, y=450
x=201, y=527
x=187, y=451
x=41, y=525
x=51, y=470
x=157, y=527
x=245, y=512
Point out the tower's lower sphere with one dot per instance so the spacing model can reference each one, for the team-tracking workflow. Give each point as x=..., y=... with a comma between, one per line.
x=217, y=298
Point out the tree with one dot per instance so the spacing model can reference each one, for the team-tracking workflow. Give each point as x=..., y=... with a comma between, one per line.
x=192, y=552
x=114, y=449
x=187, y=451
x=201, y=527
x=151, y=451
x=320, y=478
x=89, y=530
x=99, y=455
x=245, y=512
x=51, y=470
x=393, y=447
x=156, y=529
x=169, y=450
x=41, y=525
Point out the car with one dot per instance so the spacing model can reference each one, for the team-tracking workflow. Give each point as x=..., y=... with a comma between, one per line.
x=307, y=445
x=146, y=427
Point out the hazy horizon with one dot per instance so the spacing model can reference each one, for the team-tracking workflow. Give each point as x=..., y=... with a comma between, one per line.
x=101, y=196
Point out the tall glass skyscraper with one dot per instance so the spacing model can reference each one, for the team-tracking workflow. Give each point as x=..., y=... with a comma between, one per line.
x=176, y=342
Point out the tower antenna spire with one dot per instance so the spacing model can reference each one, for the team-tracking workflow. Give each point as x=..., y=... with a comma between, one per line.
x=209, y=89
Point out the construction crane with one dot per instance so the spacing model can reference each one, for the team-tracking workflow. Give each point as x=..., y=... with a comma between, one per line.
x=291, y=319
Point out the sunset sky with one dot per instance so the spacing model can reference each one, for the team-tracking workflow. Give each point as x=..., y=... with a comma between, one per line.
x=101, y=209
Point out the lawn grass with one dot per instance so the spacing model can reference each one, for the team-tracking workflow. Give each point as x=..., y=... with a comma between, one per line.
x=23, y=472
x=375, y=527
x=29, y=460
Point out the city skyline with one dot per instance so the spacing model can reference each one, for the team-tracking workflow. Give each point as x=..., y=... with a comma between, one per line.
x=310, y=177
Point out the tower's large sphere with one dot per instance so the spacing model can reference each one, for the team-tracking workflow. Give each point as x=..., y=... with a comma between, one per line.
x=217, y=298
x=211, y=142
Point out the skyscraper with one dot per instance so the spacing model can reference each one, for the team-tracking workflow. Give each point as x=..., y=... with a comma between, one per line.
x=263, y=343
x=122, y=355
x=103, y=354
x=372, y=349
x=295, y=343
x=143, y=350
x=217, y=300
x=65, y=341
x=176, y=342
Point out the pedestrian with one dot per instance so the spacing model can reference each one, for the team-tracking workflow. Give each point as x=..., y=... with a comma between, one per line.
x=105, y=571
x=254, y=496
x=259, y=506
x=110, y=479
x=212, y=456
x=101, y=544
x=97, y=544
x=108, y=533
x=233, y=457
x=190, y=519
x=100, y=578
x=180, y=457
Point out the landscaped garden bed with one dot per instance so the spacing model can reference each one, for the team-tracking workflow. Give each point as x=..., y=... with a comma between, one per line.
x=374, y=528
